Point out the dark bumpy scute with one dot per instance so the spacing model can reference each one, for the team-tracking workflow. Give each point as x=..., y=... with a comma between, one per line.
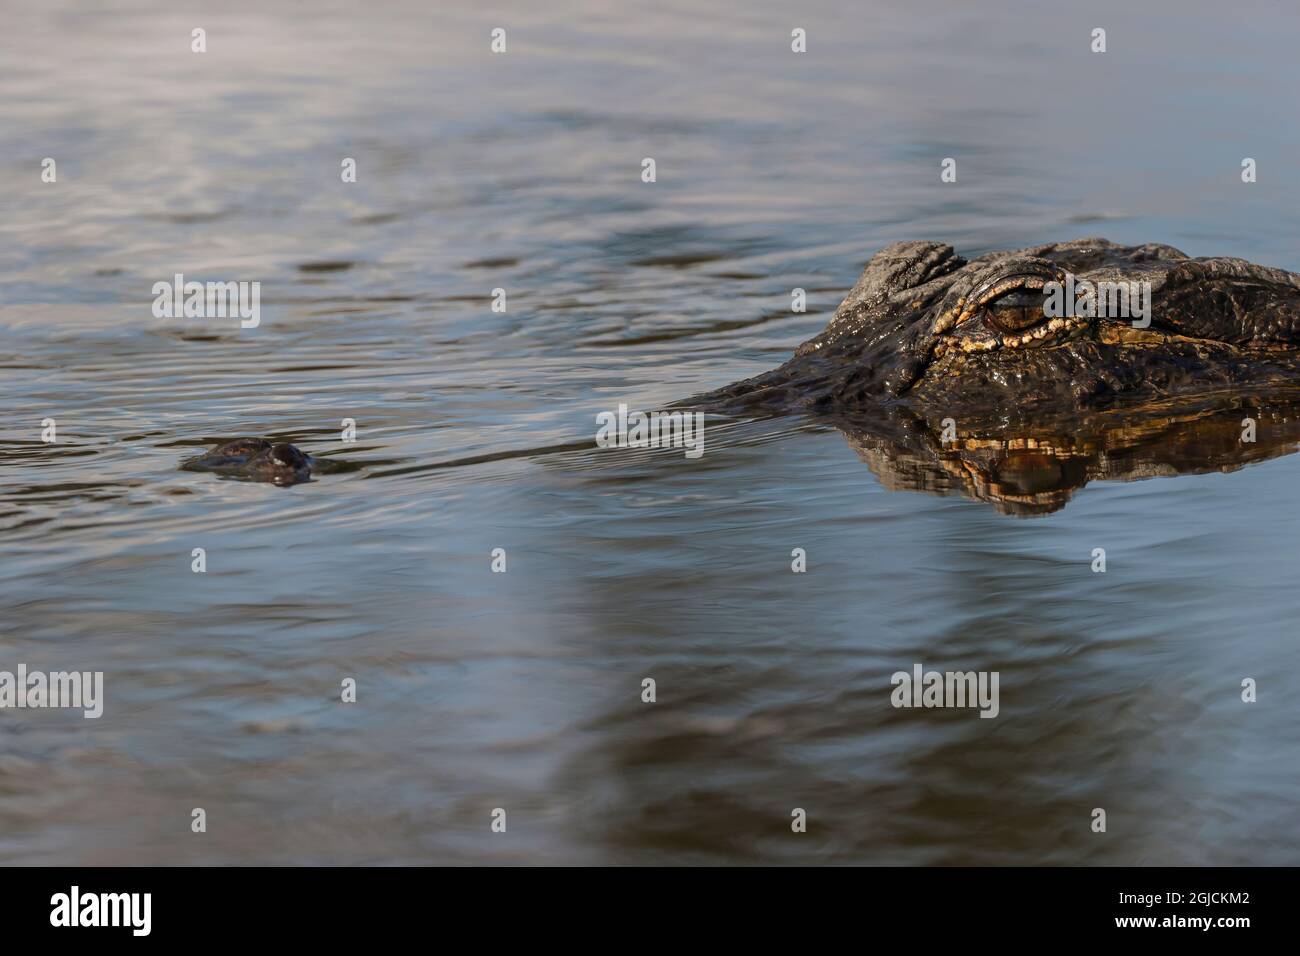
x=926, y=330
x=255, y=459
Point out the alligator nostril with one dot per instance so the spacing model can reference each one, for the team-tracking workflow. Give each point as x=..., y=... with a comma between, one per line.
x=286, y=454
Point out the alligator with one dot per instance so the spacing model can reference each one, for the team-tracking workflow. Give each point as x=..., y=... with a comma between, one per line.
x=963, y=376
x=951, y=375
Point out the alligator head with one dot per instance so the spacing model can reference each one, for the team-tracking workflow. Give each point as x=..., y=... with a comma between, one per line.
x=1019, y=334
x=1010, y=379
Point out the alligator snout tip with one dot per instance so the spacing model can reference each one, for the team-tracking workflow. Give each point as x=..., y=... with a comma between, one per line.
x=255, y=459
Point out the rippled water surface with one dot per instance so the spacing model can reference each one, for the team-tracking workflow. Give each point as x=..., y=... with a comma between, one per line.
x=522, y=690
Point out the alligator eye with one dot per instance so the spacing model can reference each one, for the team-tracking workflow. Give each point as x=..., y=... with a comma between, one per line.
x=1015, y=311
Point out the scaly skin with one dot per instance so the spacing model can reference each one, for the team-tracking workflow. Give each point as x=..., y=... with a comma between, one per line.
x=921, y=330
x=946, y=376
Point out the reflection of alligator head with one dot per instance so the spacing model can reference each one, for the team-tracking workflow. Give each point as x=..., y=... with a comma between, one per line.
x=1045, y=394
x=1036, y=470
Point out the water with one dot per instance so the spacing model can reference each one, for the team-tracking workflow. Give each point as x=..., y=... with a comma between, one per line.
x=522, y=690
